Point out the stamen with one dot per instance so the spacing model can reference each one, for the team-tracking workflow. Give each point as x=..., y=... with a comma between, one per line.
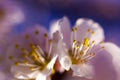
x=27, y=37
x=76, y=28
x=93, y=32
x=17, y=63
x=73, y=30
x=45, y=35
x=89, y=30
x=11, y=57
x=36, y=32
x=50, y=47
x=34, y=68
x=86, y=42
x=17, y=46
x=23, y=49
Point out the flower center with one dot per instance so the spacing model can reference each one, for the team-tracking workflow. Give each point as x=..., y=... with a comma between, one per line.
x=36, y=58
x=80, y=52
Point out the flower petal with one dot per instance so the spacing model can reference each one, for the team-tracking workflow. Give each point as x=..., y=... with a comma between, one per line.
x=41, y=77
x=22, y=72
x=114, y=51
x=83, y=70
x=103, y=62
x=52, y=62
x=63, y=26
x=25, y=43
x=65, y=61
x=82, y=32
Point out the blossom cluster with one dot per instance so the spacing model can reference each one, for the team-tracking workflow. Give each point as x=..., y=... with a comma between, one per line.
x=33, y=54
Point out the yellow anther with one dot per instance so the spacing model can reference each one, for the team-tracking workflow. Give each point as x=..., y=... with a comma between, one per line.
x=103, y=47
x=76, y=28
x=17, y=63
x=92, y=54
x=35, y=56
x=74, y=41
x=53, y=71
x=17, y=46
x=93, y=32
x=101, y=42
x=45, y=35
x=86, y=42
x=36, y=32
x=32, y=68
x=81, y=53
x=77, y=47
x=11, y=57
x=83, y=61
x=26, y=62
x=93, y=41
x=33, y=46
x=23, y=49
x=25, y=55
x=89, y=30
x=73, y=29
x=27, y=37
x=50, y=41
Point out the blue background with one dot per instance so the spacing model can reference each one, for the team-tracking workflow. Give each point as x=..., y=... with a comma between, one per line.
x=105, y=12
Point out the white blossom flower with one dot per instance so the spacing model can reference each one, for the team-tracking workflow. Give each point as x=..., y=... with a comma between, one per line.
x=32, y=55
x=77, y=47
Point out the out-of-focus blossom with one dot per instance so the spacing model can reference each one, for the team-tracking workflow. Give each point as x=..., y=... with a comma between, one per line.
x=80, y=47
x=32, y=55
x=10, y=14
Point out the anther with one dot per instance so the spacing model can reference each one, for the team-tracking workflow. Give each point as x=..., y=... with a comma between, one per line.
x=89, y=30
x=11, y=57
x=77, y=47
x=32, y=68
x=103, y=47
x=17, y=63
x=23, y=49
x=73, y=30
x=17, y=46
x=74, y=41
x=92, y=54
x=93, y=32
x=25, y=55
x=93, y=41
x=45, y=35
x=50, y=40
x=26, y=62
x=36, y=32
x=27, y=37
x=86, y=41
x=101, y=42
x=81, y=53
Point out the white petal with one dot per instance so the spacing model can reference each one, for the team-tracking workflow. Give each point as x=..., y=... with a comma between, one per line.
x=83, y=70
x=104, y=62
x=114, y=51
x=2, y=76
x=57, y=37
x=83, y=26
x=21, y=72
x=65, y=62
x=65, y=30
x=62, y=25
x=41, y=77
x=52, y=62
x=54, y=27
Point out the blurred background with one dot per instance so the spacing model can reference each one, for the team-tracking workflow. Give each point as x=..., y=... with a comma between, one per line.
x=27, y=13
